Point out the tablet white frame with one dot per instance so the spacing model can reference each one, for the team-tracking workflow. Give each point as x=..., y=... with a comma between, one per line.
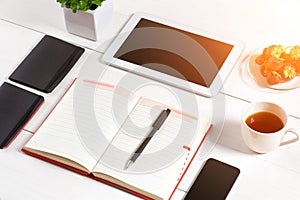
x=218, y=81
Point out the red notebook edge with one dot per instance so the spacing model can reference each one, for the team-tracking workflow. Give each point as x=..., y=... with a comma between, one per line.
x=207, y=132
x=49, y=160
x=121, y=188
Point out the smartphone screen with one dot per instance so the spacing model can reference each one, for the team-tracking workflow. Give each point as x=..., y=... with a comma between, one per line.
x=214, y=181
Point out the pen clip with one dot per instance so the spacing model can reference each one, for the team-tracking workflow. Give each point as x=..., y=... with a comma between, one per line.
x=161, y=118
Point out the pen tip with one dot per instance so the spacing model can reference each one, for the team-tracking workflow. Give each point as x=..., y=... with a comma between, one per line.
x=128, y=164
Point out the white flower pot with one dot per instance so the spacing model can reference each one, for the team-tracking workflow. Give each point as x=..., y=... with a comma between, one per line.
x=90, y=24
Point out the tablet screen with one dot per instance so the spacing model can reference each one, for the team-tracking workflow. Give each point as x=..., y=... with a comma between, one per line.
x=175, y=52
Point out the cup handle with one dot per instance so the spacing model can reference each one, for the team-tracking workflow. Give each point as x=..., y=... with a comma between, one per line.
x=295, y=139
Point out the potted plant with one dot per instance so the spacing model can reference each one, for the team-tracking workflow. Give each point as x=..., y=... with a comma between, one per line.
x=87, y=18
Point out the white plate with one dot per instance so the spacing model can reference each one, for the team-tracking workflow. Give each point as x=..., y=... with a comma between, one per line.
x=253, y=71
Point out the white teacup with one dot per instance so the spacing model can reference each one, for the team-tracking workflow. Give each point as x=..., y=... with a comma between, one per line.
x=262, y=142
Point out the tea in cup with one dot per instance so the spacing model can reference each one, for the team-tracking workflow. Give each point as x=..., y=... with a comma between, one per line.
x=264, y=127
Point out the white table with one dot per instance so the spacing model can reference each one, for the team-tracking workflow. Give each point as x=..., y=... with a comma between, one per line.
x=257, y=23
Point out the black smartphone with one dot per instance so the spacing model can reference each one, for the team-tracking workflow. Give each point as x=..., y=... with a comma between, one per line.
x=213, y=182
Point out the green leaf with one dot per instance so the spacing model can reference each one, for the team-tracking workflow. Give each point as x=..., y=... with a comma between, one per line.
x=97, y=2
x=83, y=5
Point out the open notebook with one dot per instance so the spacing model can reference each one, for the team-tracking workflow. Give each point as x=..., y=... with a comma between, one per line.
x=96, y=127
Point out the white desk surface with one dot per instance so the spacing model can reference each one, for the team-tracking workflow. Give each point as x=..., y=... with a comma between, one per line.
x=275, y=175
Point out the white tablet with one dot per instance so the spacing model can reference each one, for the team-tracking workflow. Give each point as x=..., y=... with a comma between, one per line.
x=175, y=54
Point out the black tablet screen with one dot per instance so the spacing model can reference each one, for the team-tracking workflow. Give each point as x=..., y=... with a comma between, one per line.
x=174, y=52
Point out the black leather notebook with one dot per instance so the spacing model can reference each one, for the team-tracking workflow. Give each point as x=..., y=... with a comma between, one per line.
x=16, y=107
x=47, y=64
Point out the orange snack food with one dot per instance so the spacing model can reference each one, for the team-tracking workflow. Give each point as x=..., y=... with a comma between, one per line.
x=279, y=64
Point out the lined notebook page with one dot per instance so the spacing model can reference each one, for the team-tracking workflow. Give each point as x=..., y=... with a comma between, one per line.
x=83, y=123
x=159, y=167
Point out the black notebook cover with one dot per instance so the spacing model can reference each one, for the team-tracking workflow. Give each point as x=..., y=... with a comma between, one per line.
x=16, y=108
x=47, y=64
